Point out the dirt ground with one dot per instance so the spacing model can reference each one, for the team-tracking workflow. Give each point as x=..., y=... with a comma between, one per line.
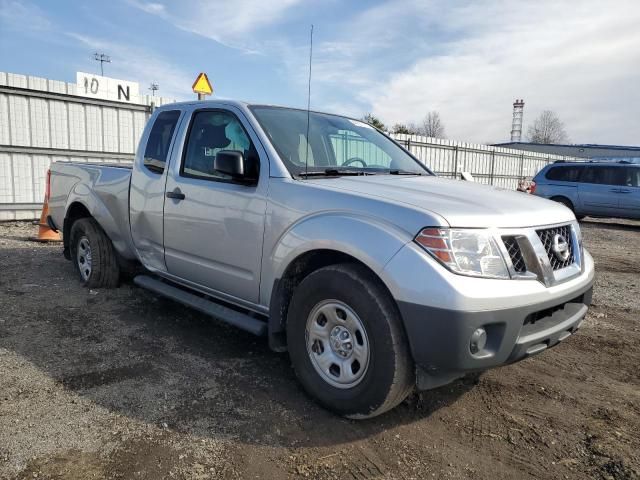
x=123, y=384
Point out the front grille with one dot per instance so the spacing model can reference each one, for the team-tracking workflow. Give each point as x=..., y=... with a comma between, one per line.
x=547, y=237
x=513, y=249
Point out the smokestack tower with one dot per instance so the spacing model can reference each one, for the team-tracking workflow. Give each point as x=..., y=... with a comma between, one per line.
x=516, y=125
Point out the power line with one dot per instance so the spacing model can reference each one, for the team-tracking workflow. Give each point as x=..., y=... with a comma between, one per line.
x=154, y=87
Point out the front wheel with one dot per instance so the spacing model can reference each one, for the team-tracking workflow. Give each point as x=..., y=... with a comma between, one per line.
x=347, y=344
x=93, y=254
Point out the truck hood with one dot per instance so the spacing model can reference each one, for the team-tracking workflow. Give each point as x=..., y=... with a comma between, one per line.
x=460, y=203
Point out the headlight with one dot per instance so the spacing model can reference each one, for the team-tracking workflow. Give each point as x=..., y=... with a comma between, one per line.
x=466, y=252
x=576, y=228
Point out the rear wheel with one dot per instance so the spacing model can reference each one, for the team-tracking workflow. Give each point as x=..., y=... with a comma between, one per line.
x=347, y=344
x=93, y=254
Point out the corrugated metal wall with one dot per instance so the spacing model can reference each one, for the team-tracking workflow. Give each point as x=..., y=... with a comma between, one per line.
x=44, y=120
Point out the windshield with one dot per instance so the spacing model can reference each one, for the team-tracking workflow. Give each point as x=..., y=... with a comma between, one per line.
x=335, y=145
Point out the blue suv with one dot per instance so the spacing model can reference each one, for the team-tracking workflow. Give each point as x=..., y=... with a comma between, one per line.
x=598, y=189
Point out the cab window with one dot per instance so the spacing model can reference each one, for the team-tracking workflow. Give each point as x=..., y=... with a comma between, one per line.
x=157, y=150
x=210, y=133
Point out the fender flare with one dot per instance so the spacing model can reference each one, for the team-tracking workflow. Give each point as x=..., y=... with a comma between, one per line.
x=366, y=239
x=85, y=196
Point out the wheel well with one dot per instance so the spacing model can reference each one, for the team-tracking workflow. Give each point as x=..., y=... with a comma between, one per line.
x=283, y=288
x=75, y=212
x=563, y=199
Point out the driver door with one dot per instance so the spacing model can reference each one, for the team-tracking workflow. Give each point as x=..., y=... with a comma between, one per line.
x=213, y=225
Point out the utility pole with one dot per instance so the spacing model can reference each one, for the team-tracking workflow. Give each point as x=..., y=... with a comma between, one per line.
x=153, y=87
x=102, y=58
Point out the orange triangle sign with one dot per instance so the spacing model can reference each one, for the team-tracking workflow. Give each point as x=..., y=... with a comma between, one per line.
x=202, y=85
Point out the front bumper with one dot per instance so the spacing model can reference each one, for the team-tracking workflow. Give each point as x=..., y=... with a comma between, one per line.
x=440, y=338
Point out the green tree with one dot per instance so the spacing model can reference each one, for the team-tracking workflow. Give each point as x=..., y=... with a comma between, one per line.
x=374, y=121
x=401, y=128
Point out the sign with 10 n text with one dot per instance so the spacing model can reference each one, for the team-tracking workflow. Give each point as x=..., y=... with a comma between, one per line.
x=96, y=86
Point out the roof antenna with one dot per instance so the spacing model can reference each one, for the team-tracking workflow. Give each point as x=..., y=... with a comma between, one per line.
x=306, y=157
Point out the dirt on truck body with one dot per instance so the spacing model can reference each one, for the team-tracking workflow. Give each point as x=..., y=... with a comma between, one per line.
x=124, y=384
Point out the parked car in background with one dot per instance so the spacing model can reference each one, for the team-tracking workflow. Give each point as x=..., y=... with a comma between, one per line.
x=597, y=189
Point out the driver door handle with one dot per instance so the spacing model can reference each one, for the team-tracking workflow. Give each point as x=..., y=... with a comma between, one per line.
x=176, y=194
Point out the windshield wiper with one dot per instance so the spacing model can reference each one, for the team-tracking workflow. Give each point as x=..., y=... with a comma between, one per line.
x=335, y=172
x=404, y=172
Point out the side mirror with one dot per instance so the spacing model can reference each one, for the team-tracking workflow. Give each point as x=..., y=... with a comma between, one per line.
x=230, y=162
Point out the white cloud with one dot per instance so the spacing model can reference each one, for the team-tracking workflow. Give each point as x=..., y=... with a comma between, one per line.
x=150, y=7
x=227, y=22
x=22, y=16
x=580, y=60
x=470, y=61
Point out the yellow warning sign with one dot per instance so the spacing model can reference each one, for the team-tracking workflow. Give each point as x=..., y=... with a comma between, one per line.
x=202, y=85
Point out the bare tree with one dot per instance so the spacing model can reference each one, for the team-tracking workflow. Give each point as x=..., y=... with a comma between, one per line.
x=374, y=121
x=432, y=126
x=547, y=128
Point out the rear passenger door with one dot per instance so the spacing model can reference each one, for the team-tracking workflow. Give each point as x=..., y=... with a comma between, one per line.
x=599, y=190
x=146, y=193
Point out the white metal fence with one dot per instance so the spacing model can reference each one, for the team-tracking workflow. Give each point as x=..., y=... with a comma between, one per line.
x=503, y=167
x=45, y=120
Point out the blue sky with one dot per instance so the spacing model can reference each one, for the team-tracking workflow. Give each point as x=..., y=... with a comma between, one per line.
x=397, y=59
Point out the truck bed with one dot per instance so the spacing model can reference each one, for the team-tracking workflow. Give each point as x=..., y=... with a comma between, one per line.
x=99, y=187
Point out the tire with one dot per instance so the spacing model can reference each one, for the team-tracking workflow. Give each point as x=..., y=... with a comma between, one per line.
x=347, y=296
x=564, y=201
x=567, y=203
x=93, y=255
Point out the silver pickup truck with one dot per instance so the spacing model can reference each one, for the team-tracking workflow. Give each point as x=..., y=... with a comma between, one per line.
x=323, y=234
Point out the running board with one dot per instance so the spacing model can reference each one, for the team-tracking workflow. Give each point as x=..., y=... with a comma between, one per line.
x=209, y=307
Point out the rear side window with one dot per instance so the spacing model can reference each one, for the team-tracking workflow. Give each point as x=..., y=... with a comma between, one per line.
x=564, y=174
x=633, y=176
x=604, y=175
x=155, y=155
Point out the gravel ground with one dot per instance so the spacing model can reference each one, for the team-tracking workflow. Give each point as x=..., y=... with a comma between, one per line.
x=123, y=384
